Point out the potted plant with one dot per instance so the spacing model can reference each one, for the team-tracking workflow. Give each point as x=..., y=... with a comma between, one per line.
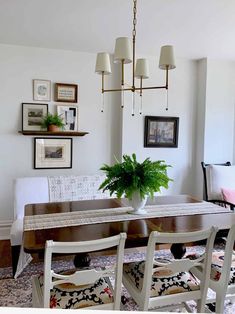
x=135, y=180
x=53, y=123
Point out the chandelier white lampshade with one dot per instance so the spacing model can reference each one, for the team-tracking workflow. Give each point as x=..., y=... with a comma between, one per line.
x=123, y=51
x=167, y=58
x=103, y=63
x=142, y=69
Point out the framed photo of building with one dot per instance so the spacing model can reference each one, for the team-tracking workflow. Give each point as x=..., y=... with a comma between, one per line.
x=161, y=131
x=66, y=92
x=32, y=115
x=42, y=90
x=69, y=114
x=52, y=153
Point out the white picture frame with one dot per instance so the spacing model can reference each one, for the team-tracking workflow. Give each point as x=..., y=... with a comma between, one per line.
x=69, y=115
x=41, y=90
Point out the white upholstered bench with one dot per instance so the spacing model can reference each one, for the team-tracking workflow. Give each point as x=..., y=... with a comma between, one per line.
x=32, y=190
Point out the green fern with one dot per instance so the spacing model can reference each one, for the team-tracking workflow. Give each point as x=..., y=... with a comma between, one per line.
x=129, y=176
x=55, y=119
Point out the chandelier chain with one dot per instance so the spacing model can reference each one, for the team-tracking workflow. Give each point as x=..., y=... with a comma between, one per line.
x=134, y=17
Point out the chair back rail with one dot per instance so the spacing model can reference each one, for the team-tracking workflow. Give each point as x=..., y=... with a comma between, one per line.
x=87, y=276
x=178, y=265
x=228, y=254
x=221, y=284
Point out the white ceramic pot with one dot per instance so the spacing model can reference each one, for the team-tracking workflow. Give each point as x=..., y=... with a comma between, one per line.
x=138, y=204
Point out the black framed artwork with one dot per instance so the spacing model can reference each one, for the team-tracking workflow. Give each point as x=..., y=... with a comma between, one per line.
x=32, y=116
x=52, y=153
x=161, y=131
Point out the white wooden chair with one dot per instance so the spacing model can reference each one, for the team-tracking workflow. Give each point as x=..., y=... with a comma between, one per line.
x=222, y=277
x=163, y=283
x=88, y=288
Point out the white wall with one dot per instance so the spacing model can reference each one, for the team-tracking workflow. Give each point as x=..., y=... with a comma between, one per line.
x=200, y=126
x=182, y=103
x=219, y=113
x=215, y=115
x=19, y=66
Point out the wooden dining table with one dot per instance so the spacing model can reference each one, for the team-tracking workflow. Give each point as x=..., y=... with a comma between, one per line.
x=137, y=231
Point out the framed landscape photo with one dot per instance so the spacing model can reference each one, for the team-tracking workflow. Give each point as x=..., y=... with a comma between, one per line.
x=52, y=153
x=42, y=90
x=69, y=115
x=66, y=92
x=32, y=115
x=161, y=131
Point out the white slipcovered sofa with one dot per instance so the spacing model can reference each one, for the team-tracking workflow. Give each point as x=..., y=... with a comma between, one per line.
x=29, y=190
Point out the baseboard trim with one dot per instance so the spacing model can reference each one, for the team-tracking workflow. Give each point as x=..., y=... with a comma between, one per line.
x=5, y=227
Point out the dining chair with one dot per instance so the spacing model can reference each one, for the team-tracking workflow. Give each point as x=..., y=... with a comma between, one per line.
x=84, y=288
x=164, y=283
x=222, y=277
x=218, y=177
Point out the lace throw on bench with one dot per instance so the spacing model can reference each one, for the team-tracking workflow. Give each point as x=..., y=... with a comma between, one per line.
x=75, y=188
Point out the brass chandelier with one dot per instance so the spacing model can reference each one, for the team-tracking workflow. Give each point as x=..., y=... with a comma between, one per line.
x=124, y=54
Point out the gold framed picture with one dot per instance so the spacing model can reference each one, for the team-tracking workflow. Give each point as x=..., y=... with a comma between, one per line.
x=66, y=92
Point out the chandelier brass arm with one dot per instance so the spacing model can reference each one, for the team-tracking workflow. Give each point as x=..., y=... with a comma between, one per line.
x=133, y=88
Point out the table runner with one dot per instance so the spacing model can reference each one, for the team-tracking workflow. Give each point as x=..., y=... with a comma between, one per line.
x=76, y=218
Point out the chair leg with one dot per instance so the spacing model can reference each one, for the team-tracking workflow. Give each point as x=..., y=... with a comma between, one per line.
x=219, y=307
x=199, y=306
x=15, y=253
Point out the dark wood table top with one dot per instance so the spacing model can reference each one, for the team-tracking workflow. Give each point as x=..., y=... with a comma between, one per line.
x=137, y=230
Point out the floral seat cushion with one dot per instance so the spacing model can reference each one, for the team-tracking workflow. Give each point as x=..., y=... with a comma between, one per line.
x=70, y=296
x=163, y=282
x=217, y=264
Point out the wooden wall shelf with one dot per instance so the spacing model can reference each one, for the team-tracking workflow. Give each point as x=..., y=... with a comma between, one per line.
x=46, y=133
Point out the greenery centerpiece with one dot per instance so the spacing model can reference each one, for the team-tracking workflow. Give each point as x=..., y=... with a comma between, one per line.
x=52, y=122
x=135, y=180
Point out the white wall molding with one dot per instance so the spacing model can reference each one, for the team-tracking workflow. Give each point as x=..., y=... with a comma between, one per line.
x=5, y=226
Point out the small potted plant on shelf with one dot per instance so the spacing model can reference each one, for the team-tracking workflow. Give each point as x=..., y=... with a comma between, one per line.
x=53, y=123
x=135, y=180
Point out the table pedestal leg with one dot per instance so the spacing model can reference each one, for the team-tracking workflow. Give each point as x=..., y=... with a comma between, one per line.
x=178, y=250
x=82, y=260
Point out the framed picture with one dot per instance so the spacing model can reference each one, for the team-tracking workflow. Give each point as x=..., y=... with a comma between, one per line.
x=32, y=115
x=42, y=90
x=161, y=131
x=69, y=114
x=52, y=153
x=66, y=92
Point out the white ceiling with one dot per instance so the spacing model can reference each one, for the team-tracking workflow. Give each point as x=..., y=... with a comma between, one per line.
x=197, y=28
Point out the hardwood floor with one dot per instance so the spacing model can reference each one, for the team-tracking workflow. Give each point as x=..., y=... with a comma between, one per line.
x=5, y=253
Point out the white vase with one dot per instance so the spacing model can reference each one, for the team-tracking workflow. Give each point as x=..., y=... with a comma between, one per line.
x=138, y=204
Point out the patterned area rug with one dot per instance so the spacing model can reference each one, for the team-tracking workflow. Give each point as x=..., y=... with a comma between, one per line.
x=18, y=292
